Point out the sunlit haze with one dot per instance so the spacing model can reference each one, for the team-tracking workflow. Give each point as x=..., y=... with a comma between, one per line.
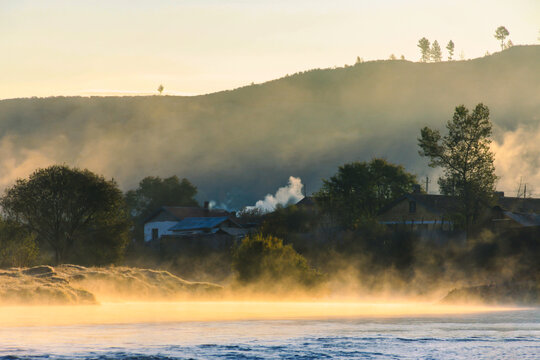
x=89, y=48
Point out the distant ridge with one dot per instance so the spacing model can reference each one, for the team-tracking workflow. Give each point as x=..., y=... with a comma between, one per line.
x=240, y=144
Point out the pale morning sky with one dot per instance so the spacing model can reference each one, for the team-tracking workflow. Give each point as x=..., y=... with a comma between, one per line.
x=69, y=47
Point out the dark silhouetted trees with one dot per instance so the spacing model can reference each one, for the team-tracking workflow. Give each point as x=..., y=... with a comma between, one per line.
x=466, y=158
x=79, y=214
x=360, y=189
x=154, y=192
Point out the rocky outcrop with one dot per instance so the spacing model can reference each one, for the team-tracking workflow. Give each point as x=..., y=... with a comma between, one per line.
x=521, y=293
x=72, y=284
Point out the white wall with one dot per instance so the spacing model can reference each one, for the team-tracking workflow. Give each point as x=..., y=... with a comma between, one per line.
x=162, y=226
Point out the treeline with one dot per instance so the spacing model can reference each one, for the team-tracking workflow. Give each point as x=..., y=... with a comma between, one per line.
x=431, y=52
x=61, y=214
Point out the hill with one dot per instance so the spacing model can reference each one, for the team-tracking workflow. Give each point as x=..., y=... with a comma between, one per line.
x=239, y=145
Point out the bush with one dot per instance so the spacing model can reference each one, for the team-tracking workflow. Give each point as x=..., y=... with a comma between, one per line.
x=17, y=247
x=264, y=258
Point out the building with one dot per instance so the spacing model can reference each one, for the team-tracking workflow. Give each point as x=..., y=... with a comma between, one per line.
x=428, y=212
x=420, y=212
x=162, y=221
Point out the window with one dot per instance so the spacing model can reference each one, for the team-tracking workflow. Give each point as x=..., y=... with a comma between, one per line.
x=155, y=234
x=412, y=206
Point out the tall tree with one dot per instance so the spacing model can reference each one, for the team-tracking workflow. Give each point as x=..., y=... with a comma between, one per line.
x=360, y=189
x=424, y=44
x=160, y=89
x=435, y=52
x=466, y=158
x=500, y=34
x=67, y=208
x=450, y=48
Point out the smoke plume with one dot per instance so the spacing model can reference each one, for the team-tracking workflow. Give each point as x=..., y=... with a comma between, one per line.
x=290, y=194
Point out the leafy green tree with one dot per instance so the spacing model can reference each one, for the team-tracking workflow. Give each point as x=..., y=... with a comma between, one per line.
x=450, y=48
x=265, y=260
x=466, y=158
x=67, y=207
x=435, y=52
x=424, y=44
x=360, y=190
x=500, y=34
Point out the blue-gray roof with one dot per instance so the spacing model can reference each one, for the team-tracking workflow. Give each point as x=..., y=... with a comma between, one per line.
x=195, y=223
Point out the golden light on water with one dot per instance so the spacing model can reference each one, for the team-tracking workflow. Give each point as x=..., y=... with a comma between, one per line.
x=152, y=312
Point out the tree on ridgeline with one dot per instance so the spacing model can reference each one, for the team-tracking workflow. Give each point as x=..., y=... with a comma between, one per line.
x=500, y=34
x=435, y=52
x=450, y=48
x=80, y=215
x=160, y=89
x=360, y=190
x=424, y=44
x=466, y=158
x=392, y=57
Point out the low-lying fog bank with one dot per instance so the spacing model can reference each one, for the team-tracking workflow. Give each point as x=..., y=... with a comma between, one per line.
x=72, y=284
x=78, y=285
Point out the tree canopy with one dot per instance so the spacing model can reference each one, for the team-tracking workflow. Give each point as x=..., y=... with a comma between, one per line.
x=466, y=158
x=450, y=48
x=361, y=189
x=500, y=34
x=71, y=210
x=154, y=192
x=423, y=44
x=436, y=53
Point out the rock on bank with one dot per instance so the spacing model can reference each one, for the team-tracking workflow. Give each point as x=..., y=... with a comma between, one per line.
x=72, y=284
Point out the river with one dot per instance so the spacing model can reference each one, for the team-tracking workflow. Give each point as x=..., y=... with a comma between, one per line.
x=245, y=330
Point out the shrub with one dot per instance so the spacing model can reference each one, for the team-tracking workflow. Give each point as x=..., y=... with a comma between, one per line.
x=264, y=258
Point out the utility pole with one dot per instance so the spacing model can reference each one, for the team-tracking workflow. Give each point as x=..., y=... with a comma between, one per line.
x=525, y=191
x=427, y=185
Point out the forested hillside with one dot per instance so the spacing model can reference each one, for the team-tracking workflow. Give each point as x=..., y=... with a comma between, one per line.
x=238, y=145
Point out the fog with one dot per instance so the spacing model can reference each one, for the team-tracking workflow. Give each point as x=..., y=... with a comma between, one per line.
x=237, y=146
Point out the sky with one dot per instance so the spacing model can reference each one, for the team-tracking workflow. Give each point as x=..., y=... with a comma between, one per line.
x=119, y=47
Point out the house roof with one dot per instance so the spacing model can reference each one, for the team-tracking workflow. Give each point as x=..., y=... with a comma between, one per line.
x=196, y=223
x=439, y=204
x=307, y=201
x=524, y=219
x=520, y=205
x=445, y=203
x=182, y=212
